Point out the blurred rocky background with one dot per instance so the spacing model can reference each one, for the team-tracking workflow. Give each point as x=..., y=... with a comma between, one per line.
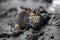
x=9, y=8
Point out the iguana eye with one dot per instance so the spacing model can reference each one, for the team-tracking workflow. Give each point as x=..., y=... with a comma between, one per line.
x=44, y=15
x=16, y=24
x=40, y=9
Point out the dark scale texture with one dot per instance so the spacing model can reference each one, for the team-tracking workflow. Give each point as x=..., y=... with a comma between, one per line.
x=8, y=10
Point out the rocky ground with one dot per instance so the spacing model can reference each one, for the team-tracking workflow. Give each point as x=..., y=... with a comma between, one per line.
x=8, y=11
